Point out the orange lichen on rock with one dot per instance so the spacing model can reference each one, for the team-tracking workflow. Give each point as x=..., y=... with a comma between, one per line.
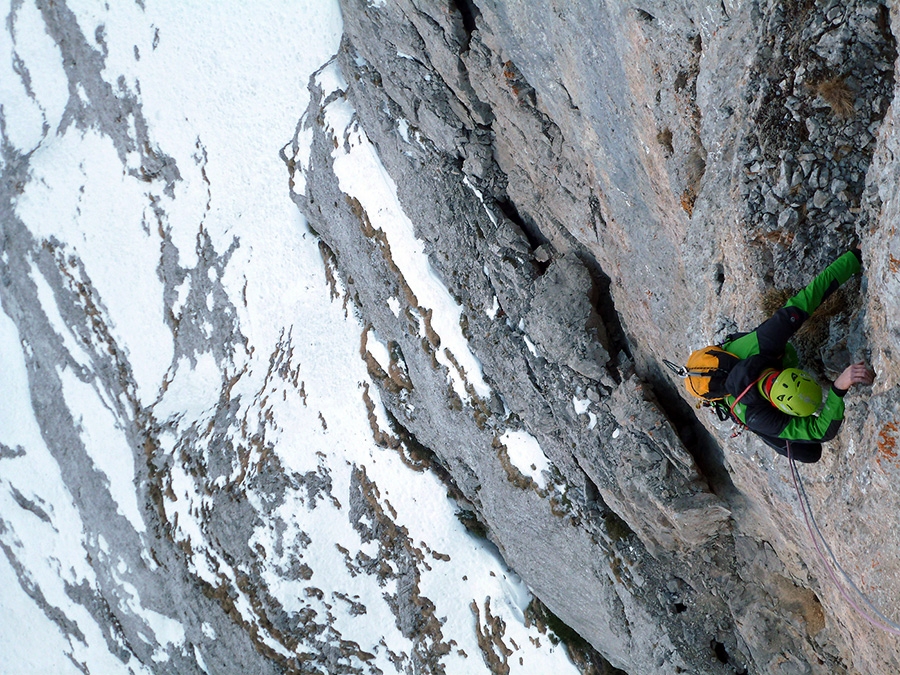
x=688, y=197
x=887, y=443
x=893, y=263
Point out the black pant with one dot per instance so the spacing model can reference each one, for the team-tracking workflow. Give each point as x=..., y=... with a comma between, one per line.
x=807, y=452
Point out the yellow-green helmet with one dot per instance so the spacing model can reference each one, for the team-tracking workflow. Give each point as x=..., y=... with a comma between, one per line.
x=795, y=392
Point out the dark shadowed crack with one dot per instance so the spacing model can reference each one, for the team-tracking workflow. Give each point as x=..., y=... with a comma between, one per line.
x=697, y=439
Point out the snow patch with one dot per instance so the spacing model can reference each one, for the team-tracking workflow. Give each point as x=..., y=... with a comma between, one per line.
x=193, y=390
x=105, y=441
x=378, y=350
x=480, y=196
x=43, y=651
x=362, y=176
x=221, y=113
x=494, y=308
x=92, y=212
x=25, y=116
x=531, y=347
x=526, y=454
x=403, y=128
x=167, y=631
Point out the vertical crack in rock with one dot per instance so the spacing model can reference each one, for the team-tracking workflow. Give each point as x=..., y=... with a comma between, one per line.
x=696, y=438
x=616, y=340
x=564, y=198
x=469, y=13
x=531, y=231
x=470, y=215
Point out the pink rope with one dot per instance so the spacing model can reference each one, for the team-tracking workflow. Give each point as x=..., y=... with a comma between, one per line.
x=840, y=587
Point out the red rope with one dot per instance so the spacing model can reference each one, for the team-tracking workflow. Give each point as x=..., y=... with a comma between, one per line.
x=878, y=624
x=749, y=387
x=886, y=625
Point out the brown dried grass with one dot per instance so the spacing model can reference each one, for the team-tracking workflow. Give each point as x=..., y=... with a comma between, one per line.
x=838, y=95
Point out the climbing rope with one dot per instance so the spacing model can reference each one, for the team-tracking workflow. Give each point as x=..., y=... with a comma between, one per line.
x=884, y=624
x=744, y=393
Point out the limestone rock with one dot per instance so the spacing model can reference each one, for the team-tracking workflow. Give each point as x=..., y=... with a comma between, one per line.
x=562, y=322
x=594, y=187
x=653, y=172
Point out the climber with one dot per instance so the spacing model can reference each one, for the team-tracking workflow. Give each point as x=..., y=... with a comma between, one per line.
x=770, y=395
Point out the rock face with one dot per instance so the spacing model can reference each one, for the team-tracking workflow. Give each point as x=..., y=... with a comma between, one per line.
x=593, y=188
x=602, y=186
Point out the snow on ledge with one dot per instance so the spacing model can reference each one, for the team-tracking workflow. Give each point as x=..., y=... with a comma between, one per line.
x=362, y=176
x=525, y=453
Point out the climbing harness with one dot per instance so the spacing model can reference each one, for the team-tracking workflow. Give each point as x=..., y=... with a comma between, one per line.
x=704, y=377
x=882, y=622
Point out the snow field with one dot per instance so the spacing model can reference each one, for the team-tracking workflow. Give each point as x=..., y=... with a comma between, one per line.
x=221, y=112
x=42, y=58
x=525, y=453
x=462, y=569
x=47, y=540
x=79, y=195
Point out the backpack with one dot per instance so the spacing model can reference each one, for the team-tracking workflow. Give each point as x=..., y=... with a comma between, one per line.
x=705, y=372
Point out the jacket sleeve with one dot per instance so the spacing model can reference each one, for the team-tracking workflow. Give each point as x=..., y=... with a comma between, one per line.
x=774, y=333
x=770, y=421
x=826, y=283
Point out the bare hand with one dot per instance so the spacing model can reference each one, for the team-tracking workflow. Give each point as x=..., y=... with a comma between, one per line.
x=858, y=373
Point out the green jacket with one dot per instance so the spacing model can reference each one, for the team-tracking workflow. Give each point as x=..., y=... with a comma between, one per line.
x=768, y=347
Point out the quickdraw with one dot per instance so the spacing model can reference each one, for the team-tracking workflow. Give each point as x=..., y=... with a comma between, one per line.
x=680, y=371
